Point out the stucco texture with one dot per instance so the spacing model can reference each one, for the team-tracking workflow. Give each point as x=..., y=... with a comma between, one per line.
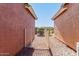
x=14, y=20
x=67, y=25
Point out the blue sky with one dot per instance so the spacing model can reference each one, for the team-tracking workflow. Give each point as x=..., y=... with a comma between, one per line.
x=44, y=12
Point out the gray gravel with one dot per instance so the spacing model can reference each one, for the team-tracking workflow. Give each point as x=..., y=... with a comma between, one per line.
x=41, y=52
x=60, y=49
x=40, y=45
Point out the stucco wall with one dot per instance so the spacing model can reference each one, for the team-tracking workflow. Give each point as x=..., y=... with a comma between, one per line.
x=14, y=18
x=68, y=25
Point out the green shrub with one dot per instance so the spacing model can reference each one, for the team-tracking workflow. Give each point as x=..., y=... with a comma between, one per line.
x=41, y=32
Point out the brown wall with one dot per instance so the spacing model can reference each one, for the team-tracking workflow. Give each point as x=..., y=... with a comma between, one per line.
x=14, y=18
x=67, y=25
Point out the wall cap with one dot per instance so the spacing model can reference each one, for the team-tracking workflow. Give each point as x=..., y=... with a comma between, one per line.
x=29, y=7
x=60, y=11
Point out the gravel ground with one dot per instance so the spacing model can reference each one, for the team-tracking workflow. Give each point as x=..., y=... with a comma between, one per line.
x=41, y=47
x=41, y=52
x=39, y=43
x=60, y=49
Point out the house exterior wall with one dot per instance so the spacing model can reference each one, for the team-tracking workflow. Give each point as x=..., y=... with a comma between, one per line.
x=14, y=20
x=67, y=25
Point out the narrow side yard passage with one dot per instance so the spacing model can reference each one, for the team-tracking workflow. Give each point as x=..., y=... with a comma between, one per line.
x=57, y=48
x=47, y=47
x=41, y=47
x=40, y=42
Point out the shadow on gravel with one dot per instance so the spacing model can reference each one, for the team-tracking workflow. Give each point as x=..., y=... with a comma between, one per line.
x=26, y=52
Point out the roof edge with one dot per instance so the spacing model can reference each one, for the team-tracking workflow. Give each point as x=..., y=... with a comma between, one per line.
x=60, y=11
x=29, y=7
